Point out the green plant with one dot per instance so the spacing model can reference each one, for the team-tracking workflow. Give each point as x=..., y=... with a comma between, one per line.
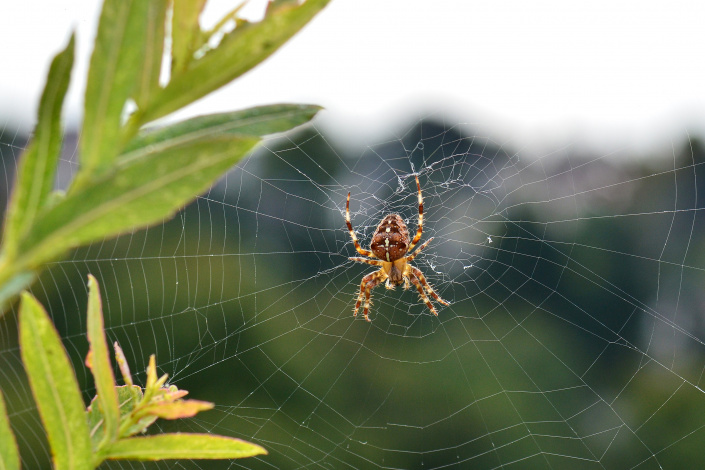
x=130, y=177
x=83, y=438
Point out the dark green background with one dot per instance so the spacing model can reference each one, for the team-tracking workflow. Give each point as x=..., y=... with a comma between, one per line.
x=574, y=338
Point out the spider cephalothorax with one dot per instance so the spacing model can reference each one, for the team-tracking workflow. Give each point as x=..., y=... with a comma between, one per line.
x=390, y=244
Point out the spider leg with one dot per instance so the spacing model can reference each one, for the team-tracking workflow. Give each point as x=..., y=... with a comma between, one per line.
x=359, y=249
x=373, y=262
x=389, y=285
x=419, y=231
x=413, y=255
x=418, y=274
x=423, y=295
x=368, y=283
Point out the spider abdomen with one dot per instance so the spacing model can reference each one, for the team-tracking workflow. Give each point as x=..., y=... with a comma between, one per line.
x=391, y=239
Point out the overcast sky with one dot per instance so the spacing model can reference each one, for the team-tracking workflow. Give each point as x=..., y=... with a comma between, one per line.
x=523, y=70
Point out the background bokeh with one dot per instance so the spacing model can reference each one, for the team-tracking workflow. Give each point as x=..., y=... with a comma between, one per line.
x=543, y=73
x=574, y=335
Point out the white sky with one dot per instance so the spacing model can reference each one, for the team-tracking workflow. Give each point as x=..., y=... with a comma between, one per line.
x=541, y=70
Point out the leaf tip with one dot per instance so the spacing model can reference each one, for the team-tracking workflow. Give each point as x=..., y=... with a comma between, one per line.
x=89, y=359
x=152, y=372
x=25, y=296
x=122, y=364
x=72, y=39
x=28, y=302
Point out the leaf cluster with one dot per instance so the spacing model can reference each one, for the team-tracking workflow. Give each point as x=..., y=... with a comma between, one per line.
x=150, y=58
x=110, y=428
x=130, y=177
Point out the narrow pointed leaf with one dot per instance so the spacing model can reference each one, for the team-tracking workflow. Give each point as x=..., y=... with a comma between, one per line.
x=35, y=176
x=149, y=387
x=174, y=393
x=182, y=446
x=122, y=364
x=135, y=194
x=150, y=69
x=258, y=121
x=179, y=409
x=185, y=21
x=238, y=52
x=114, y=73
x=9, y=456
x=54, y=387
x=100, y=363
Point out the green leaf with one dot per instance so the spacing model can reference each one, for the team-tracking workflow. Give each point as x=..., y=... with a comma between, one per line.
x=35, y=176
x=54, y=387
x=258, y=121
x=13, y=286
x=9, y=456
x=151, y=65
x=142, y=191
x=239, y=51
x=122, y=364
x=181, y=446
x=96, y=422
x=178, y=409
x=99, y=362
x=120, y=44
x=185, y=21
x=128, y=396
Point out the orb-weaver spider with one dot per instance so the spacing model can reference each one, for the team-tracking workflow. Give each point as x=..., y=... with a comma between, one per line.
x=390, y=243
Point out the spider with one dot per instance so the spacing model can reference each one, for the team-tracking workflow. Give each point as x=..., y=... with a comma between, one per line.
x=390, y=244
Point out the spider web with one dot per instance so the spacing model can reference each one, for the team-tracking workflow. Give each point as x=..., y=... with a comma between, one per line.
x=574, y=335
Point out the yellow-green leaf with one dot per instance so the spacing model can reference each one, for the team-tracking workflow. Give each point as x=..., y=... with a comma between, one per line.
x=136, y=193
x=113, y=77
x=128, y=396
x=151, y=65
x=181, y=446
x=185, y=21
x=122, y=364
x=54, y=387
x=100, y=363
x=9, y=457
x=256, y=122
x=35, y=175
x=239, y=51
x=178, y=409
